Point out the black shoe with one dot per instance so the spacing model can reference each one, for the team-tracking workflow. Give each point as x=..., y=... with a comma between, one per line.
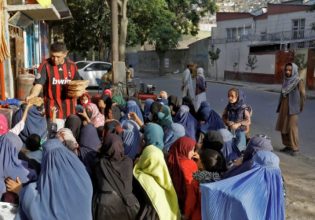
x=294, y=153
x=286, y=149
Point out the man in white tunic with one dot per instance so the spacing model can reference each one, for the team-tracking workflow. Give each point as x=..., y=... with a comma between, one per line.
x=187, y=83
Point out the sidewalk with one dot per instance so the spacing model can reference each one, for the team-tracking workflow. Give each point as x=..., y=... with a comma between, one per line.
x=310, y=94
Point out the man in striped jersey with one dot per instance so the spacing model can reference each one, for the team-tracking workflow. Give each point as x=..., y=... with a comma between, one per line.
x=53, y=76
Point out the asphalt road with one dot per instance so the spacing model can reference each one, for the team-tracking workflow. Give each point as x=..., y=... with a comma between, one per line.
x=264, y=106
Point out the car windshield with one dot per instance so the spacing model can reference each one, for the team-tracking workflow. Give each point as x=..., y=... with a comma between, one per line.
x=81, y=65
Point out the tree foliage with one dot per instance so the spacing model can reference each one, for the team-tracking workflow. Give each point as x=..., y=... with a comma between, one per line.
x=162, y=22
x=159, y=22
x=90, y=27
x=214, y=55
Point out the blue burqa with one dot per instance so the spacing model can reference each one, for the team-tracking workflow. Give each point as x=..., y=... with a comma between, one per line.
x=35, y=123
x=132, y=107
x=131, y=138
x=211, y=119
x=63, y=190
x=89, y=143
x=229, y=149
x=256, y=143
x=172, y=133
x=10, y=165
x=186, y=119
x=146, y=110
x=255, y=194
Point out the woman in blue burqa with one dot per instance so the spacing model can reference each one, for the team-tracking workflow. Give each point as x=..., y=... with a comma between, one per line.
x=255, y=194
x=35, y=122
x=209, y=120
x=255, y=144
x=185, y=118
x=10, y=165
x=132, y=107
x=63, y=190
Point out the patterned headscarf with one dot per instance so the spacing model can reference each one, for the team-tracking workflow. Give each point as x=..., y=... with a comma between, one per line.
x=97, y=118
x=3, y=124
x=289, y=83
x=67, y=137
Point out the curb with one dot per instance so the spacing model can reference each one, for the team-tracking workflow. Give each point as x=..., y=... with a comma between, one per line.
x=308, y=95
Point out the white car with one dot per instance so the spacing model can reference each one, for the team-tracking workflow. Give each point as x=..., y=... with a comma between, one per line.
x=93, y=70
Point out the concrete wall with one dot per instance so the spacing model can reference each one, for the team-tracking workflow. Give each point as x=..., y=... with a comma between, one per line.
x=199, y=54
x=148, y=61
x=261, y=25
x=223, y=25
x=175, y=60
x=234, y=57
x=283, y=22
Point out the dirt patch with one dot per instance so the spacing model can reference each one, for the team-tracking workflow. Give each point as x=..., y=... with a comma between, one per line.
x=299, y=175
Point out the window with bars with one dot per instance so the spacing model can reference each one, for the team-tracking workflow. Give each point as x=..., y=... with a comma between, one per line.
x=237, y=33
x=298, y=28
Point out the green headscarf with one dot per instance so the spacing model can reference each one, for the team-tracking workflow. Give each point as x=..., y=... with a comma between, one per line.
x=165, y=117
x=153, y=135
x=119, y=100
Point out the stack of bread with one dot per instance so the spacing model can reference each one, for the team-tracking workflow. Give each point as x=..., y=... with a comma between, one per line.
x=76, y=88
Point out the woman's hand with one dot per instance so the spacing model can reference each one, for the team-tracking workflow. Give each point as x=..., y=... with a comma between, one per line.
x=14, y=186
x=235, y=126
x=85, y=116
x=196, y=156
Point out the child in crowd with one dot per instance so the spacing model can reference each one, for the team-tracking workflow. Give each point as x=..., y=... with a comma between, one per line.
x=163, y=98
x=236, y=117
x=33, y=145
x=211, y=165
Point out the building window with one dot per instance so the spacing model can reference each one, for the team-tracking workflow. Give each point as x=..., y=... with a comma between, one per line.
x=231, y=34
x=237, y=34
x=298, y=27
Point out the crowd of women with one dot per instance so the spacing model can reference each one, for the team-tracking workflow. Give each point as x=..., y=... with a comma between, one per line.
x=120, y=159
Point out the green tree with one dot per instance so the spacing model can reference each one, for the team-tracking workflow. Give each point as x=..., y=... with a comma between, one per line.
x=251, y=62
x=214, y=55
x=162, y=22
x=89, y=30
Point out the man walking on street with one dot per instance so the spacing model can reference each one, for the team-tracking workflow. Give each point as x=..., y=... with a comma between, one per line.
x=53, y=76
x=187, y=84
x=291, y=103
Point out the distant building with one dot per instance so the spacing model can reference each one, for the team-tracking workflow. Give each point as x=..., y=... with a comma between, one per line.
x=255, y=46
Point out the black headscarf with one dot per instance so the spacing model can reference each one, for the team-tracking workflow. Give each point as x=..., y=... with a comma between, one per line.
x=188, y=101
x=74, y=122
x=89, y=145
x=116, y=169
x=173, y=103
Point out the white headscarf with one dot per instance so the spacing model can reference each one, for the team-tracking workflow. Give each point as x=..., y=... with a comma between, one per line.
x=200, y=72
x=289, y=83
x=66, y=136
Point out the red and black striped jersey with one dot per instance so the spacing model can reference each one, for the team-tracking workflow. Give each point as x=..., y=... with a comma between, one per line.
x=54, y=79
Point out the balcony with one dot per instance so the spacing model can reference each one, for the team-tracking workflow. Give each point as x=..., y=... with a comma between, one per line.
x=271, y=38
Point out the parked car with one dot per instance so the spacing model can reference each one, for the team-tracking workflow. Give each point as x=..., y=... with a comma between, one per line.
x=92, y=70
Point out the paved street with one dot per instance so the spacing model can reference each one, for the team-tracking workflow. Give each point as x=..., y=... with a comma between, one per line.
x=264, y=106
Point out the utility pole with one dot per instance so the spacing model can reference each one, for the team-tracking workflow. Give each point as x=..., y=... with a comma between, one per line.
x=115, y=35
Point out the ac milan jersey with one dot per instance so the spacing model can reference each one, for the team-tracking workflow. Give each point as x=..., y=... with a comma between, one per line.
x=54, y=79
